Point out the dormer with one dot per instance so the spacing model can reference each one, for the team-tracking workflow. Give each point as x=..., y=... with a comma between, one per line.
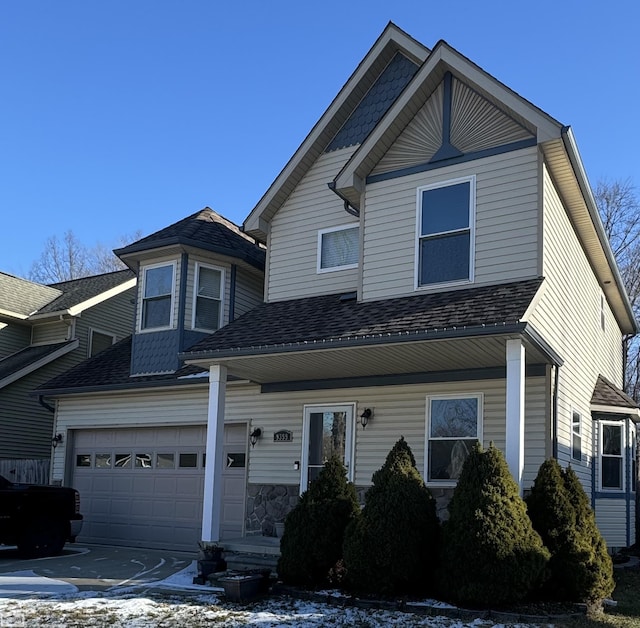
x=195, y=276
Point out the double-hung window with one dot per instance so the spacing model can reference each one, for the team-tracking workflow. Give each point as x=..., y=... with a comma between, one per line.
x=576, y=435
x=157, y=296
x=207, y=307
x=445, y=232
x=454, y=426
x=338, y=248
x=611, y=456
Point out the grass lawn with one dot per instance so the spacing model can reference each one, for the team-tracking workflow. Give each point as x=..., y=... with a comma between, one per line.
x=627, y=613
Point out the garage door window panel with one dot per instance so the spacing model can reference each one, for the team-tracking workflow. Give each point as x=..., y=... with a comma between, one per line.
x=83, y=460
x=165, y=461
x=188, y=461
x=103, y=461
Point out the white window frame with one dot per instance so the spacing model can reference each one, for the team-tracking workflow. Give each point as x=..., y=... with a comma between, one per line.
x=349, y=445
x=622, y=456
x=576, y=431
x=332, y=269
x=196, y=278
x=173, y=264
x=472, y=232
x=479, y=397
x=94, y=330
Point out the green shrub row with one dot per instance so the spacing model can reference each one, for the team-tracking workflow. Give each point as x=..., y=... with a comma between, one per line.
x=494, y=550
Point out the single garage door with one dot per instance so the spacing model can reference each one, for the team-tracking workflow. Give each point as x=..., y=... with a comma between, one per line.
x=143, y=487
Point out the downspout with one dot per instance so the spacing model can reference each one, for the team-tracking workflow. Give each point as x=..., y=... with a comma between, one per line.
x=554, y=414
x=629, y=468
x=45, y=405
x=348, y=207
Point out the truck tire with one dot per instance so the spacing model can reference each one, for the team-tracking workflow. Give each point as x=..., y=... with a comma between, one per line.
x=45, y=537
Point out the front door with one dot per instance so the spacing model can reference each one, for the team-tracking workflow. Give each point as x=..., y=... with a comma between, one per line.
x=327, y=431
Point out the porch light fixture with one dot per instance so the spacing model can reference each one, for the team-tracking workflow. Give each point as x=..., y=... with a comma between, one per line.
x=365, y=417
x=56, y=440
x=256, y=435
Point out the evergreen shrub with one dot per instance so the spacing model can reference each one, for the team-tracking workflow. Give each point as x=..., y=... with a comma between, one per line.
x=580, y=569
x=392, y=547
x=491, y=555
x=314, y=530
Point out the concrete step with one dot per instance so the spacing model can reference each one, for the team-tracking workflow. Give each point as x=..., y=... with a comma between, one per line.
x=245, y=560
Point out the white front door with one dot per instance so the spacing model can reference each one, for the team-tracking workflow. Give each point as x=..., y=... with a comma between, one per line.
x=327, y=431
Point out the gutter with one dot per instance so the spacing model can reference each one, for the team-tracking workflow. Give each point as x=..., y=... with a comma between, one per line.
x=348, y=207
x=45, y=405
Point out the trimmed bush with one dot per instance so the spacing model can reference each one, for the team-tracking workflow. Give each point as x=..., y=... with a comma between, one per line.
x=314, y=530
x=391, y=548
x=596, y=573
x=553, y=517
x=580, y=569
x=491, y=555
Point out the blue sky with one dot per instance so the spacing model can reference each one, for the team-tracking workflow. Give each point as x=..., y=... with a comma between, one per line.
x=128, y=115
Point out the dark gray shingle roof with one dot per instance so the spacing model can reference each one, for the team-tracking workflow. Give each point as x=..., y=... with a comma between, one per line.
x=77, y=291
x=24, y=297
x=110, y=368
x=608, y=394
x=331, y=318
x=207, y=230
x=24, y=358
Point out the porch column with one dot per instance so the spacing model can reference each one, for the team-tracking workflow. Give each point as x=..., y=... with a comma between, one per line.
x=212, y=500
x=515, y=409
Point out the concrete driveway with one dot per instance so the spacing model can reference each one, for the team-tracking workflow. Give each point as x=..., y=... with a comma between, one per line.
x=88, y=568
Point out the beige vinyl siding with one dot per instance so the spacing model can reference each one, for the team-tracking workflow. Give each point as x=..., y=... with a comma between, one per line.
x=187, y=405
x=249, y=291
x=398, y=411
x=611, y=517
x=506, y=224
x=49, y=333
x=191, y=275
x=176, y=288
x=568, y=316
x=13, y=338
x=294, y=235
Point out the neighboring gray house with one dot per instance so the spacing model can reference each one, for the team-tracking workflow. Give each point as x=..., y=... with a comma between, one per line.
x=436, y=268
x=44, y=331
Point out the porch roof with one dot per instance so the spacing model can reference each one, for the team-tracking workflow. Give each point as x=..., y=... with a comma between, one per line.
x=608, y=398
x=334, y=321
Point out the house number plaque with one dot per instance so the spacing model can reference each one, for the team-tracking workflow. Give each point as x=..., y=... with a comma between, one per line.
x=283, y=436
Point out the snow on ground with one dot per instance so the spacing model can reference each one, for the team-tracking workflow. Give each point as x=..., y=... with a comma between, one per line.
x=177, y=602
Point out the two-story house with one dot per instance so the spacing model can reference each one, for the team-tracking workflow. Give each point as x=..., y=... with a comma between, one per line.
x=134, y=418
x=436, y=269
x=44, y=331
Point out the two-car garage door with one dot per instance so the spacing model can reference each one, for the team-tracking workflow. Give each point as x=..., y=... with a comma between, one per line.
x=143, y=487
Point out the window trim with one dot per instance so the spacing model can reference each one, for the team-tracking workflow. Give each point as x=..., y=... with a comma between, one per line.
x=95, y=330
x=174, y=265
x=471, y=179
x=331, y=269
x=479, y=397
x=622, y=456
x=196, y=277
x=577, y=433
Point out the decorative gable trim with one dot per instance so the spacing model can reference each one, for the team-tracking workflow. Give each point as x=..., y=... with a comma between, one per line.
x=391, y=41
x=441, y=61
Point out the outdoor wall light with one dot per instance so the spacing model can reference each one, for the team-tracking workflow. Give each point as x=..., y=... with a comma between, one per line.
x=256, y=435
x=365, y=417
x=56, y=440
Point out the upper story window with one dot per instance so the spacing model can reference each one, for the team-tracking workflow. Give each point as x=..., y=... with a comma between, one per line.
x=611, y=456
x=454, y=426
x=99, y=341
x=444, y=252
x=338, y=248
x=576, y=435
x=207, y=307
x=157, y=296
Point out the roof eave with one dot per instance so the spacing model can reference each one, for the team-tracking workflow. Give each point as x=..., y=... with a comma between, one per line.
x=634, y=413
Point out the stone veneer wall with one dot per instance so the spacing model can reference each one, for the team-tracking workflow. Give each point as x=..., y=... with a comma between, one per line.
x=268, y=504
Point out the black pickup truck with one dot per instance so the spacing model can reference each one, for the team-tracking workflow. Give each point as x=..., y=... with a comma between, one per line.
x=38, y=519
